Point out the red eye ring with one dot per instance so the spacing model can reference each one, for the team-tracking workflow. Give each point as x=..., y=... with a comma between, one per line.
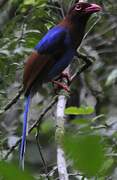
x=78, y=8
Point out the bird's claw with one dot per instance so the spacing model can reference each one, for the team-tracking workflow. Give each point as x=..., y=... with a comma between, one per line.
x=61, y=85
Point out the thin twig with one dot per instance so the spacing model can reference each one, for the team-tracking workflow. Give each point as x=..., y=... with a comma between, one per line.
x=62, y=8
x=12, y=102
x=81, y=69
x=98, y=19
x=41, y=154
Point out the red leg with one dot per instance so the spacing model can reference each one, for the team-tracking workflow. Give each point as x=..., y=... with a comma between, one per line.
x=61, y=85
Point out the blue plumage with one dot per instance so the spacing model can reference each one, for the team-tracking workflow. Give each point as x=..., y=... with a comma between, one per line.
x=62, y=63
x=24, y=132
x=51, y=41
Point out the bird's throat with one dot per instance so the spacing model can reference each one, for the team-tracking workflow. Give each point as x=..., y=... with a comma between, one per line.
x=76, y=28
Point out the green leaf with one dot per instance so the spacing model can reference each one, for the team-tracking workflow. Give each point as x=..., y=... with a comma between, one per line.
x=9, y=172
x=41, y=2
x=79, y=111
x=86, y=152
x=29, y=2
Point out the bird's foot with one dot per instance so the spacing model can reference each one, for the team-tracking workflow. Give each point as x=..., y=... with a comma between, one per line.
x=61, y=85
x=62, y=76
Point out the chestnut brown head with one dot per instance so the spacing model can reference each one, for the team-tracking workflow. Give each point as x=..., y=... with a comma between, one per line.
x=84, y=8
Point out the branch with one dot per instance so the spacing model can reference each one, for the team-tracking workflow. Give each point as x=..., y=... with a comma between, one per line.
x=12, y=102
x=60, y=120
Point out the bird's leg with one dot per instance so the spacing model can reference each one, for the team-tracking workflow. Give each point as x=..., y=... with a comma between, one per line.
x=63, y=75
x=61, y=85
x=62, y=81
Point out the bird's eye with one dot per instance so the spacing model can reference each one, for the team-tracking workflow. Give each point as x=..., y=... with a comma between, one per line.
x=78, y=8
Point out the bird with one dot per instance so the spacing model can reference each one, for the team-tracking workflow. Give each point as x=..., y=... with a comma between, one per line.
x=53, y=53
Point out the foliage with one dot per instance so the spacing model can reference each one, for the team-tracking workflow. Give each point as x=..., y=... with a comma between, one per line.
x=87, y=148
x=9, y=171
x=86, y=151
x=80, y=110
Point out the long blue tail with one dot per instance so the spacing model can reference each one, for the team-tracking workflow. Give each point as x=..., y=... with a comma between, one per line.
x=24, y=133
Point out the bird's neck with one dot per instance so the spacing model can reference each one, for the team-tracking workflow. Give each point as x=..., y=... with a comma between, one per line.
x=76, y=27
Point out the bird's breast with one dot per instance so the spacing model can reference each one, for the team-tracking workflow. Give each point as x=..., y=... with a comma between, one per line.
x=75, y=32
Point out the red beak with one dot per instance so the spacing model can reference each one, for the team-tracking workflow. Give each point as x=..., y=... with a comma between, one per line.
x=93, y=8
